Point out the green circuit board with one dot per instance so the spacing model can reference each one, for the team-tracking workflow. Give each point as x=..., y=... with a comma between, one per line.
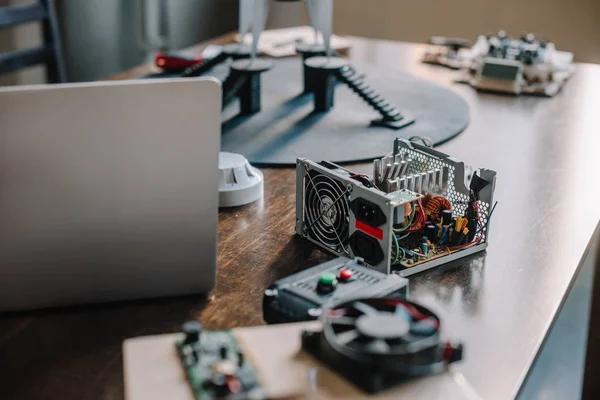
x=216, y=368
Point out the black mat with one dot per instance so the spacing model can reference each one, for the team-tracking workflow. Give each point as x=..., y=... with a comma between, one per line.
x=286, y=128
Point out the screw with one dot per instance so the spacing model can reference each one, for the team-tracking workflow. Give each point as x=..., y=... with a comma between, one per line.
x=315, y=312
x=271, y=292
x=349, y=188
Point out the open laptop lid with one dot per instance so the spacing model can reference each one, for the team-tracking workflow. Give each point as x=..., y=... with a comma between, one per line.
x=108, y=191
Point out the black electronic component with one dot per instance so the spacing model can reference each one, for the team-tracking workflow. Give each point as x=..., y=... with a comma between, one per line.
x=366, y=247
x=378, y=343
x=430, y=232
x=192, y=330
x=223, y=352
x=368, y=212
x=300, y=297
x=446, y=217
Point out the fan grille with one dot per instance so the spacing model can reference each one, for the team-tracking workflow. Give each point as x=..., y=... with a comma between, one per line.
x=326, y=210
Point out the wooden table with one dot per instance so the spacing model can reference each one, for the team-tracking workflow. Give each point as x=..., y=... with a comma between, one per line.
x=500, y=304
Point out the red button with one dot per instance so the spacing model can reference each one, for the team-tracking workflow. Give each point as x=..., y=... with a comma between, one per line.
x=345, y=274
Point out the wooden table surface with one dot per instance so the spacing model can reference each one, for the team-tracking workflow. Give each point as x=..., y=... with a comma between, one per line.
x=500, y=303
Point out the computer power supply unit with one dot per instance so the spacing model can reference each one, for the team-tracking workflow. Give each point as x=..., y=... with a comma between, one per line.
x=420, y=209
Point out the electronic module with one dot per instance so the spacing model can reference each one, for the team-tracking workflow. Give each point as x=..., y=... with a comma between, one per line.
x=302, y=296
x=502, y=64
x=421, y=208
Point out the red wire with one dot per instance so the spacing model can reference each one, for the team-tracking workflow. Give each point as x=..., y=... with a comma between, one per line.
x=419, y=316
x=418, y=225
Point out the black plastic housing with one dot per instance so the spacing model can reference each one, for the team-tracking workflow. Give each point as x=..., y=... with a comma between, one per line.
x=296, y=297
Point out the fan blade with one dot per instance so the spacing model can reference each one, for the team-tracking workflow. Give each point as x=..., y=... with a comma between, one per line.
x=422, y=328
x=411, y=338
x=345, y=321
x=364, y=308
x=378, y=346
x=348, y=336
x=402, y=312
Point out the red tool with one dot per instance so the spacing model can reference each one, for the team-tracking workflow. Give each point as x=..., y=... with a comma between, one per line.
x=176, y=61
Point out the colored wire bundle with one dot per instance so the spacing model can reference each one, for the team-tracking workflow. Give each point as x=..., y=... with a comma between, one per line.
x=408, y=224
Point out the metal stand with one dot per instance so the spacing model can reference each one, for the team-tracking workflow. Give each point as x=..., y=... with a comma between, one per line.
x=244, y=82
x=307, y=51
x=323, y=73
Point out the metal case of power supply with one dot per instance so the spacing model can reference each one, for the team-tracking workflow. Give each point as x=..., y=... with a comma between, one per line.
x=344, y=215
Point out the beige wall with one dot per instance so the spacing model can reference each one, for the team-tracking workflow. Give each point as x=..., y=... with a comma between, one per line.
x=573, y=25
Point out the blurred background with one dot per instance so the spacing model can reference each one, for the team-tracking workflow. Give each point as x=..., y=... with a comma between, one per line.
x=103, y=37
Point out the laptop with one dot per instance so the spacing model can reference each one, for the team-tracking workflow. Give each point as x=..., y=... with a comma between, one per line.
x=108, y=191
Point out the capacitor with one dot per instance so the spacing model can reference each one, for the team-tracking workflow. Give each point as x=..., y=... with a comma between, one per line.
x=430, y=232
x=444, y=236
x=424, y=248
x=223, y=352
x=192, y=331
x=446, y=217
x=424, y=239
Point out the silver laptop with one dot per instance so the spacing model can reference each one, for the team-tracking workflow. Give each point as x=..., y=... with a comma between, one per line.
x=108, y=191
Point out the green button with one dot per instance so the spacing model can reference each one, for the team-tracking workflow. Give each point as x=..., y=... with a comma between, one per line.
x=327, y=278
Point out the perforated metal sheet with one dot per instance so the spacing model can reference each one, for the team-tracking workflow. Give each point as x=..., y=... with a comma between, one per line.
x=424, y=159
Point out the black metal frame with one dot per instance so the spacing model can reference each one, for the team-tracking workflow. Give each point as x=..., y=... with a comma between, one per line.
x=49, y=53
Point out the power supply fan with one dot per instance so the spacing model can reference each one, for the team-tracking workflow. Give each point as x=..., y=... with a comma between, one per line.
x=326, y=211
x=378, y=343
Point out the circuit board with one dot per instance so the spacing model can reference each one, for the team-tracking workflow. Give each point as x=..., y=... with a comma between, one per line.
x=216, y=368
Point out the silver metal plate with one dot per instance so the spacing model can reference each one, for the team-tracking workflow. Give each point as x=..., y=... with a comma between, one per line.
x=403, y=196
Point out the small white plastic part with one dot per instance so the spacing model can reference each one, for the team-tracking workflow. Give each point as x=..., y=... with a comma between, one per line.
x=239, y=182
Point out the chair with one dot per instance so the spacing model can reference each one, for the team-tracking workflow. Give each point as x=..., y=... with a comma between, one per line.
x=49, y=53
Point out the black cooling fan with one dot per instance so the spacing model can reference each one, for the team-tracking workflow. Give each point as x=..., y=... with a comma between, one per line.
x=378, y=343
x=326, y=210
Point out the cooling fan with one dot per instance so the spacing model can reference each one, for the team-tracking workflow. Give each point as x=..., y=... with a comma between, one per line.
x=326, y=210
x=344, y=213
x=378, y=343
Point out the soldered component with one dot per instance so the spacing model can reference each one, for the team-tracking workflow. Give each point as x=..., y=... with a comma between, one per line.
x=215, y=366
